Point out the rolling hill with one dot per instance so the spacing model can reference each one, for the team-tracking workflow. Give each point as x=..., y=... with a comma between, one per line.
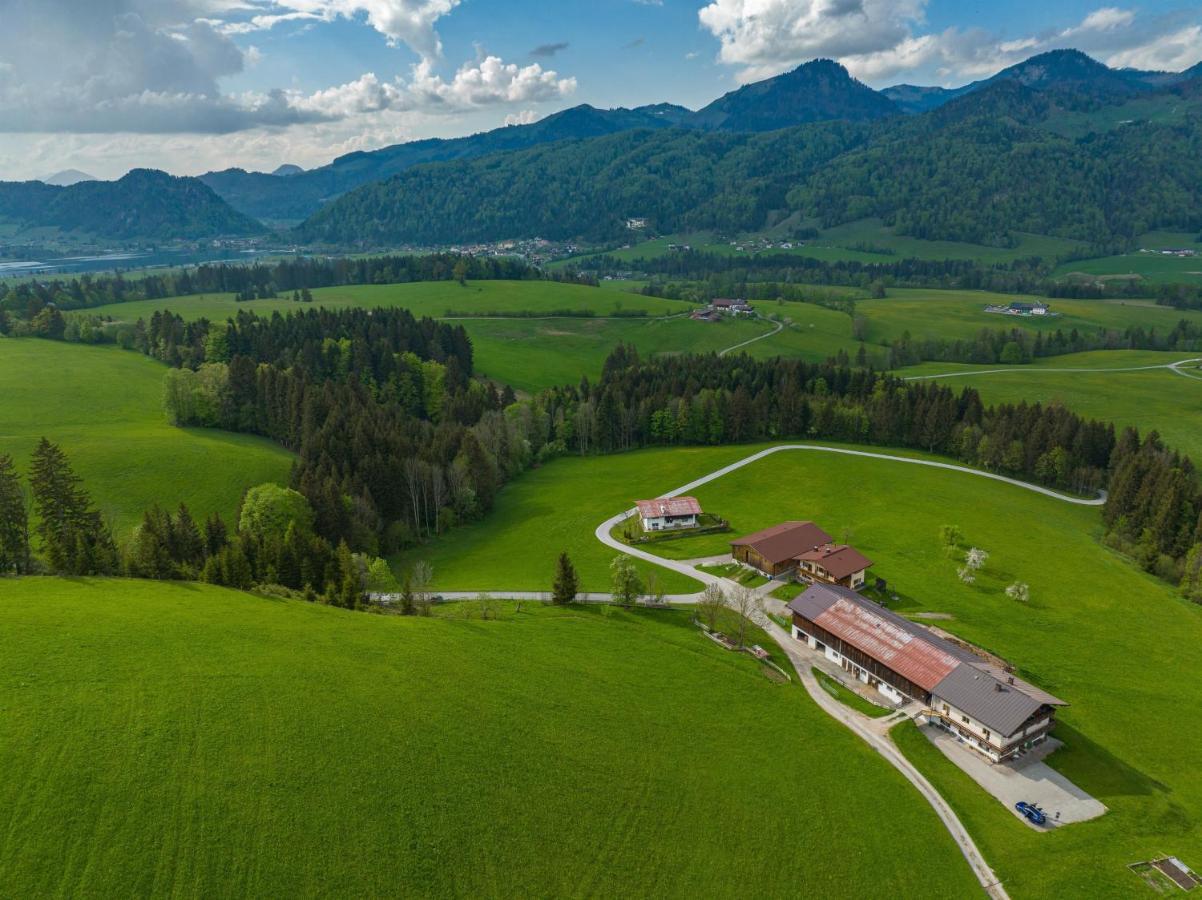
x=143, y=205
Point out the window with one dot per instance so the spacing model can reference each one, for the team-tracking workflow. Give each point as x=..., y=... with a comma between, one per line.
x=965, y=720
x=986, y=734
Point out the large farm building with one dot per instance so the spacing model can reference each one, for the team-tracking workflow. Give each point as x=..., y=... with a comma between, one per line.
x=994, y=712
x=802, y=549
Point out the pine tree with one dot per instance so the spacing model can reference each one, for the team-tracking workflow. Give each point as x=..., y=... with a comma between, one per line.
x=60, y=503
x=14, y=521
x=567, y=584
x=188, y=547
x=216, y=535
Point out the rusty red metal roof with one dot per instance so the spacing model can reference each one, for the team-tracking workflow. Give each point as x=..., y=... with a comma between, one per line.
x=907, y=654
x=668, y=506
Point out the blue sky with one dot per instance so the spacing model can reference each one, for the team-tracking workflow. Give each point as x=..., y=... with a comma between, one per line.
x=192, y=85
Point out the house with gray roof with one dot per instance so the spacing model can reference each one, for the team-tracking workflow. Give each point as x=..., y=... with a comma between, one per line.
x=972, y=696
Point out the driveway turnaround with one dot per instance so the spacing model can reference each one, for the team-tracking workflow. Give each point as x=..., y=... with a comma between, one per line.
x=1030, y=780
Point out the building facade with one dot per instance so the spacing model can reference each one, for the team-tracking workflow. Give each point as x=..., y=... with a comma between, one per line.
x=667, y=513
x=988, y=708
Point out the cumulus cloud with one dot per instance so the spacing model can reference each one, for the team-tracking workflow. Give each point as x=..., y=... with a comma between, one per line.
x=410, y=22
x=765, y=37
x=155, y=67
x=882, y=39
x=487, y=81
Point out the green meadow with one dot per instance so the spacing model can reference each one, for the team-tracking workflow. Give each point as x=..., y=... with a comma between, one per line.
x=176, y=740
x=424, y=298
x=1156, y=399
x=103, y=406
x=1097, y=632
x=1152, y=268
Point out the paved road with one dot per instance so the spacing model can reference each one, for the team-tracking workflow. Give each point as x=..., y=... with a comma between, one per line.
x=879, y=741
x=1014, y=370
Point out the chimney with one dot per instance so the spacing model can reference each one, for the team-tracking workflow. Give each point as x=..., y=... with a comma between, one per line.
x=1010, y=680
x=998, y=687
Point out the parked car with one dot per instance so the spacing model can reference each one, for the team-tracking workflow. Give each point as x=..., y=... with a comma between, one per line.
x=1032, y=812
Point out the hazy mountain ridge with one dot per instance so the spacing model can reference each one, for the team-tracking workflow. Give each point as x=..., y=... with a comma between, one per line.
x=144, y=204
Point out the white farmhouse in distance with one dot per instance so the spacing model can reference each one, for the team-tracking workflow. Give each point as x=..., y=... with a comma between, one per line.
x=636, y=223
x=670, y=512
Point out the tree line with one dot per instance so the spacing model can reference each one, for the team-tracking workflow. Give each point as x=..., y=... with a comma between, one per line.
x=260, y=280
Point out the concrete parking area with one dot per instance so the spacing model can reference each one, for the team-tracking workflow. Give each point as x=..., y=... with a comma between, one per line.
x=1028, y=779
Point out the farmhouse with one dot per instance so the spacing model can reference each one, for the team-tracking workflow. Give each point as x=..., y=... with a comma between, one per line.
x=731, y=307
x=833, y=564
x=774, y=550
x=988, y=708
x=668, y=513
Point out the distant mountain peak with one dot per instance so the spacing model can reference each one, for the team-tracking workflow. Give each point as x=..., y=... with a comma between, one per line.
x=67, y=177
x=287, y=169
x=815, y=91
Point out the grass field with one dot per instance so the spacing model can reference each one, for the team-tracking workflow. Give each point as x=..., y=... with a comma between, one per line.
x=103, y=406
x=1121, y=647
x=842, y=243
x=961, y=314
x=425, y=298
x=532, y=354
x=1144, y=267
x=1157, y=399
x=177, y=740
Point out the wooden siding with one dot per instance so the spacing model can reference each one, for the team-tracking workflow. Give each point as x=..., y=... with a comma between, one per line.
x=861, y=659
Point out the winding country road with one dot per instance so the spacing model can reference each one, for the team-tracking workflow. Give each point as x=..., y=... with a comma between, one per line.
x=1015, y=370
x=879, y=742
x=777, y=330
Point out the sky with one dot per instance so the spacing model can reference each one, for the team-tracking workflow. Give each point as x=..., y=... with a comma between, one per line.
x=190, y=86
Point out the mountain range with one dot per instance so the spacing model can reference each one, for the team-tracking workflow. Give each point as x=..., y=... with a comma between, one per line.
x=744, y=159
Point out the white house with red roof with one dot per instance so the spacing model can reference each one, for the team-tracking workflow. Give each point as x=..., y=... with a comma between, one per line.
x=666, y=513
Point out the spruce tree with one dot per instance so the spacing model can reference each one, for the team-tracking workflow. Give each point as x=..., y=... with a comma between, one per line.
x=60, y=502
x=566, y=583
x=14, y=521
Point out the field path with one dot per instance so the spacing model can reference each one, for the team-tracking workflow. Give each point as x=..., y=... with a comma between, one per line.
x=777, y=330
x=1175, y=367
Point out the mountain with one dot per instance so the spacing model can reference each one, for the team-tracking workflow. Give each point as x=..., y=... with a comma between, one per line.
x=143, y=205
x=947, y=174
x=813, y=92
x=292, y=199
x=68, y=177
x=677, y=179
x=913, y=98
x=286, y=170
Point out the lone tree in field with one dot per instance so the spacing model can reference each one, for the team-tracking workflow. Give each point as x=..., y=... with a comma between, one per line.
x=1019, y=591
x=951, y=536
x=627, y=585
x=744, y=602
x=710, y=606
x=14, y=521
x=567, y=584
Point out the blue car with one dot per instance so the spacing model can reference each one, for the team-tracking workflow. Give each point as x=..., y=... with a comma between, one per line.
x=1032, y=812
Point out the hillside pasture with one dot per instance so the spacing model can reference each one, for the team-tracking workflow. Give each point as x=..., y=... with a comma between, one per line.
x=1087, y=605
x=179, y=740
x=424, y=298
x=1154, y=399
x=939, y=314
x=103, y=406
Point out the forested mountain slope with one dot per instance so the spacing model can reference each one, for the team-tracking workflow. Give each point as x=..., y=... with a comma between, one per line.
x=145, y=205
x=948, y=174
x=676, y=179
x=301, y=194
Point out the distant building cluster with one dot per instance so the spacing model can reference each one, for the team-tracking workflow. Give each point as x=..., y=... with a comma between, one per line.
x=721, y=307
x=1017, y=308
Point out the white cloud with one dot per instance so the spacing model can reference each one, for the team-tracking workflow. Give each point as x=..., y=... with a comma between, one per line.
x=155, y=66
x=525, y=117
x=1170, y=52
x=765, y=37
x=409, y=22
x=879, y=40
